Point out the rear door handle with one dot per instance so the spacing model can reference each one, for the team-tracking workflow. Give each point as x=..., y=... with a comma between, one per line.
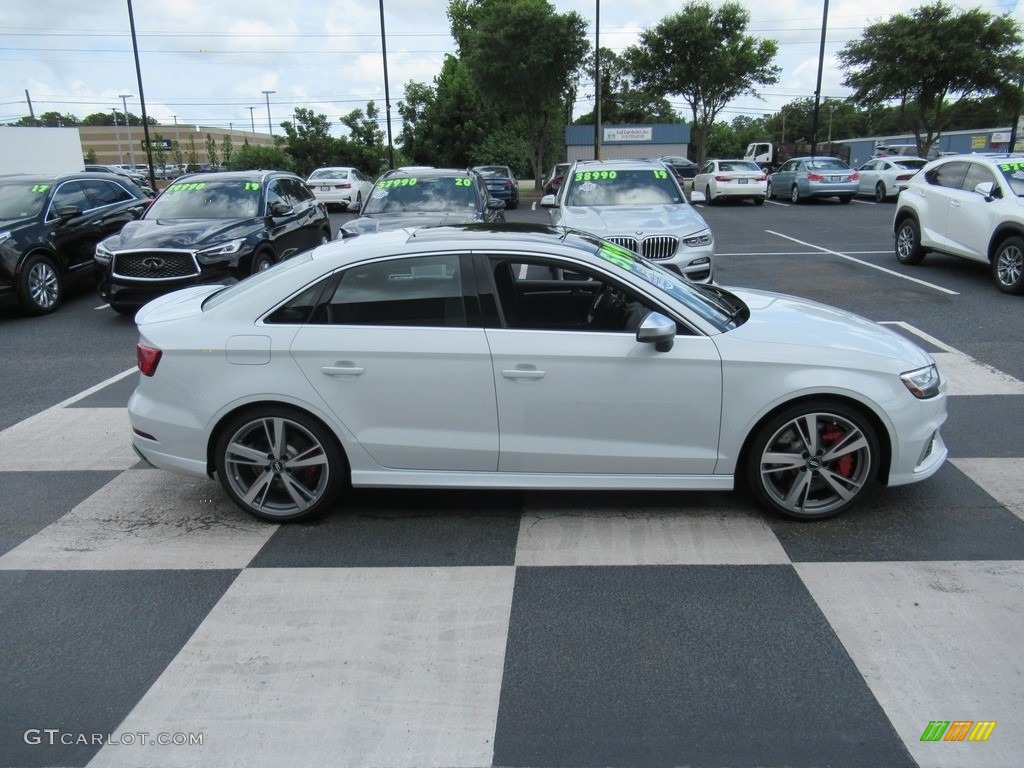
x=523, y=373
x=341, y=369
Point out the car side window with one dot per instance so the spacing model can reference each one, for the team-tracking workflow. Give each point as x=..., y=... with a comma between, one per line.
x=539, y=295
x=276, y=195
x=102, y=193
x=68, y=194
x=948, y=174
x=977, y=174
x=421, y=291
x=296, y=191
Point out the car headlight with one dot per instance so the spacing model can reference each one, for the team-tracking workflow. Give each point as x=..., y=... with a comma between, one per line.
x=103, y=255
x=4, y=236
x=702, y=238
x=223, y=249
x=923, y=382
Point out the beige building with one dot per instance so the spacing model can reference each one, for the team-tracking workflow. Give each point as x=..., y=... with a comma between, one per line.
x=116, y=146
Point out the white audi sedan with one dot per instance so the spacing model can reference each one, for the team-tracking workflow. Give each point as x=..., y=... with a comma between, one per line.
x=523, y=356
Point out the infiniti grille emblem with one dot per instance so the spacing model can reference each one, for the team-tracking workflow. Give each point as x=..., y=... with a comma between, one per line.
x=153, y=264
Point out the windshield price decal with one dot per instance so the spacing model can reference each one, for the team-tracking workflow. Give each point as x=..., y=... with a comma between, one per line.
x=186, y=186
x=594, y=175
x=40, y=188
x=388, y=183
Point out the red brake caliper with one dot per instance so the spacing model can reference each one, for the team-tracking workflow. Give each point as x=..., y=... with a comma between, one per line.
x=832, y=435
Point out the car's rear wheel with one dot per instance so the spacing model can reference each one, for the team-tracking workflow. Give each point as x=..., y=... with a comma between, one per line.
x=707, y=195
x=794, y=194
x=279, y=463
x=261, y=260
x=908, y=242
x=1008, y=266
x=812, y=460
x=845, y=199
x=40, y=285
x=758, y=201
x=880, y=192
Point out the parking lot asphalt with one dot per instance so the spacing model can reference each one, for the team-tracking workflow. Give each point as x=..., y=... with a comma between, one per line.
x=146, y=621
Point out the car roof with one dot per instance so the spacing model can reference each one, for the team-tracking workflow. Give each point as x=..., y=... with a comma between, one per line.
x=233, y=176
x=52, y=178
x=428, y=172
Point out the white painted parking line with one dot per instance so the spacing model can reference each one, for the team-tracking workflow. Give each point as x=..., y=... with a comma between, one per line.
x=864, y=263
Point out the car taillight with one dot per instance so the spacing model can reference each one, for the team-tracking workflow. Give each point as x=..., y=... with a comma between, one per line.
x=854, y=176
x=148, y=358
x=815, y=177
x=905, y=177
x=344, y=186
x=722, y=178
x=762, y=177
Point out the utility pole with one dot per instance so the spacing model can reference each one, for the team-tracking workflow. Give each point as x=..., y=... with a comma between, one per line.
x=252, y=120
x=128, y=123
x=269, y=126
x=120, y=157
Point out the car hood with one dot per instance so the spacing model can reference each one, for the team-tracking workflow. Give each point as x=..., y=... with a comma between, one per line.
x=634, y=219
x=186, y=234
x=379, y=222
x=791, y=321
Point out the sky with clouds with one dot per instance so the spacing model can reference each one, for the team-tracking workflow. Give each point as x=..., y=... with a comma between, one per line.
x=208, y=62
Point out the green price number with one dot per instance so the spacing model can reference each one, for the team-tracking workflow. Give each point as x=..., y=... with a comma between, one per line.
x=252, y=186
x=388, y=183
x=463, y=183
x=661, y=174
x=595, y=175
x=40, y=188
x=187, y=187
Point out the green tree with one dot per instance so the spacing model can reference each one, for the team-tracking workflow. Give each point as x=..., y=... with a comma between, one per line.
x=310, y=143
x=523, y=58
x=918, y=60
x=251, y=157
x=212, y=157
x=49, y=119
x=178, y=155
x=622, y=102
x=704, y=55
x=159, y=153
x=364, y=146
x=226, y=149
x=192, y=155
x=90, y=156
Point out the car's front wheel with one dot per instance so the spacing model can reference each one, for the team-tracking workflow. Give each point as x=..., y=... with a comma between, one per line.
x=908, y=242
x=262, y=260
x=1008, y=266
x=279, y=463
x=40, y=285
x=812, y=460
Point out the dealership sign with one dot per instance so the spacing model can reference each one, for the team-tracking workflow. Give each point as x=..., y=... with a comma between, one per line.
x=629, y=134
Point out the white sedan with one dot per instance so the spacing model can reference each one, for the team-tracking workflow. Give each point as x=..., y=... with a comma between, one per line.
x=529, y=357
x=735, y=179
x=884, y=177
x=342, y=186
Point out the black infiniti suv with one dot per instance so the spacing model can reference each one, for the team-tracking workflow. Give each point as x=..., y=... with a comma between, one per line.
x=209, y=228
x=49, y=228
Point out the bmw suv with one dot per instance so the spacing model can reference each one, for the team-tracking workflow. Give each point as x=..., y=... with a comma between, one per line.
x=209, y=228
x=969, y=206
x=639, y=205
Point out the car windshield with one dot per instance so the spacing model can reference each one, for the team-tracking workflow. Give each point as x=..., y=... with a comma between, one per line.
x=219, y=199
x=493, y=173
x=827, y=164
x=1013, y=172
x=738, y=165
x=650, y=186
x=710, y=306
x=910, y=164
x=22, y=200
x=421, y=195
x=329, y=173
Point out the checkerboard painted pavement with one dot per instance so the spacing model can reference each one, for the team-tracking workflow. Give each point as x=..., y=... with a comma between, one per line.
x=506, y=629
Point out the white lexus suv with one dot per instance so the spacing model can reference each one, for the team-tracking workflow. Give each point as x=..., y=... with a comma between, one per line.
x=969, y=206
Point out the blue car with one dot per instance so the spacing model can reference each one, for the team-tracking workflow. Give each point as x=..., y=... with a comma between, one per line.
x=501, y=183
x=801, y=178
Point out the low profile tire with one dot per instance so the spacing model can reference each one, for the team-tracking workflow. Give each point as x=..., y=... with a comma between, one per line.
x=1008, y=266
x=794, y=194
x=844, y=199
x=812, y=460
x=707, y=195
x=769, y=193
x=880, y=192
x=325, y=236
x=908, y=242
x=758, y=201
x=279, y=463
x=261, y=260
x=128, y=310
x=40, y=285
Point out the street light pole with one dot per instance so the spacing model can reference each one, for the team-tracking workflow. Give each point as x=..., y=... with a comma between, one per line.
x=117, y=131
x=128, y=124
x=269, y=126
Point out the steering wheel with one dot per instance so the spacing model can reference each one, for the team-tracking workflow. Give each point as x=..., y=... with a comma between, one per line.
x=605, y=303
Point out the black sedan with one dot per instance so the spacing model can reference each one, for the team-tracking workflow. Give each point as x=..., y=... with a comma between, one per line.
x=417, y=197
x=210, y=228
x=682, y=167
x=49, y=228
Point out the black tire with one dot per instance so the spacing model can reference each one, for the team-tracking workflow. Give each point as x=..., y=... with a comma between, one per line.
x=261, y=260
x=844, y=199
x=908, y=242
x=707, y=195
x=880, y=192
x=794, y=194
x=279, y=463
x=1008, y=265
x=40, y=285
x=128, y=310
x=325, y=236
x=758, y=201
x=769, y=193
x=812, y=460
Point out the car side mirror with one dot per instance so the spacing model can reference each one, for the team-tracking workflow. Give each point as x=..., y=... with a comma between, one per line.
x=280, y=209
x=548, y=201
x=696, y=197
x=986, y=189
x=494, y=204
x=658, y=330
x=66, y=212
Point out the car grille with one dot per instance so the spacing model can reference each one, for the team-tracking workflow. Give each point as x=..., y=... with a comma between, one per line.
x=154, y=265
x=653, y=247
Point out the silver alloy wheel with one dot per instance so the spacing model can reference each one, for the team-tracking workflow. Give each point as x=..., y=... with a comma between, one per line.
x=880, y=192
x=1009, y=266
x=794, y=194
x=815, y=463
x=43, y=285
x=276, y=466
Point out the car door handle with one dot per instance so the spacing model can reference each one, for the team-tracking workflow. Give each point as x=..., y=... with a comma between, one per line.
x=341, y=369
x=523, y=373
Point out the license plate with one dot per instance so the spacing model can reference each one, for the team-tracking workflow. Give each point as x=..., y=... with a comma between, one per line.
x=325, y=189
x=835, y=178
x=742, y=181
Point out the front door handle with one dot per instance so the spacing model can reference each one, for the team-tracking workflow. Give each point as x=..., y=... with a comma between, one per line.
x=527, y=373
x=342, y=369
